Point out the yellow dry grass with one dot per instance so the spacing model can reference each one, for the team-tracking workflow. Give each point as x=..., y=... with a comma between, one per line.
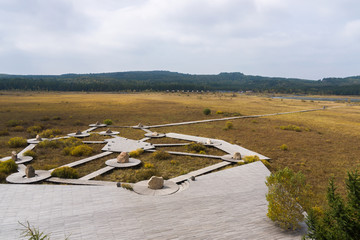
x=329, y=149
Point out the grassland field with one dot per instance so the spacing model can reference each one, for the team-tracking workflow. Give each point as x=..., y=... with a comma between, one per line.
x=326, y=146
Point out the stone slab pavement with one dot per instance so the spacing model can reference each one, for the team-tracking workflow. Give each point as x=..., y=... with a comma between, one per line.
x=200, y=172
x=97, y=173
x=228, y=204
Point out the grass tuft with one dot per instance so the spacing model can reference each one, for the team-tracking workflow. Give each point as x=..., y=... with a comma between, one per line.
x=65, y=172
x=17, y=142
x=161, y=155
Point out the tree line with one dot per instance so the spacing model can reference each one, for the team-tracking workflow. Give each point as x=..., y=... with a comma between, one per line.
x=165, y=80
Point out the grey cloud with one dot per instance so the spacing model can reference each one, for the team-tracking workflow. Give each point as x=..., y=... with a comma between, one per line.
x=310, y=39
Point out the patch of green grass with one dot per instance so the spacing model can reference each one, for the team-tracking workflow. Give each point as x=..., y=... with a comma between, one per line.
x=136, y=153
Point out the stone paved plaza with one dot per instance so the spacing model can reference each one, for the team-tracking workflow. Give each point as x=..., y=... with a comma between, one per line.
x=229, y=204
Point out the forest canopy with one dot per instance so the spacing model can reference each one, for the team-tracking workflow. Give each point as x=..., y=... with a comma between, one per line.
x=165, y=80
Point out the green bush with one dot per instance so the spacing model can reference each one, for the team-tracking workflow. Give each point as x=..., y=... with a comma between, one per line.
x=108, y=122
x=56, y=118
x=30, y=153
x=3, y=177
x=228, y=125
x=219, y=112
x=136, y=153
x=67, y=150
x=291, y=128
x=70, y=142
x=49, y=144
x=8, y=166
x=35, y=129
x=14, y=123
x=207, y=111
x=161, y=155
x=287, y=196
x=17, y=142
x=81, y=150
x=266, y=163
x=145, y=174
x=173, y=162
x=250, y=159
x=148, y=165
x=50, y=133
x=4, y=133
x=18, y=129
x=45, y=118
x=127, y=186
x=65, y=172
x=196, y=147
x=284, y=147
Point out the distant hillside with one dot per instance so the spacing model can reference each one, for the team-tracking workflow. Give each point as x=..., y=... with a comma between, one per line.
x=164, y=80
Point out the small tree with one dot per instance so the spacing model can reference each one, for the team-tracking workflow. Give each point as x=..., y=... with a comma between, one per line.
x=287, y=196
x=341, y=219
x=108, y=121
x=207, y=111
x=228, y=125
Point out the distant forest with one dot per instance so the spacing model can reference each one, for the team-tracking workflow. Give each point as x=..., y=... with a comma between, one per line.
x=164, y=80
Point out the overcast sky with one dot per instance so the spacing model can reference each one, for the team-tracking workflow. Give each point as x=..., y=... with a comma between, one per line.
x=288, y=38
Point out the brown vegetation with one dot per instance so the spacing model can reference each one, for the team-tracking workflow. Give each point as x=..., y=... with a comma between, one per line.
x=330, y=149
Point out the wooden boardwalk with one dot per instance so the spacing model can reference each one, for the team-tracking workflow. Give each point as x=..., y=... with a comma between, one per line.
x=199, y=172
x=85, y=160
x=97, y=173
x=190, y=154
x=220, y=144
x=228, y=204
x=80, y=182
x=29, y=147
x=229, y=118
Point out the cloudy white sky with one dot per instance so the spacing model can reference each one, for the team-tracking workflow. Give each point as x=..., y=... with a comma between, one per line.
x=289, y=38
